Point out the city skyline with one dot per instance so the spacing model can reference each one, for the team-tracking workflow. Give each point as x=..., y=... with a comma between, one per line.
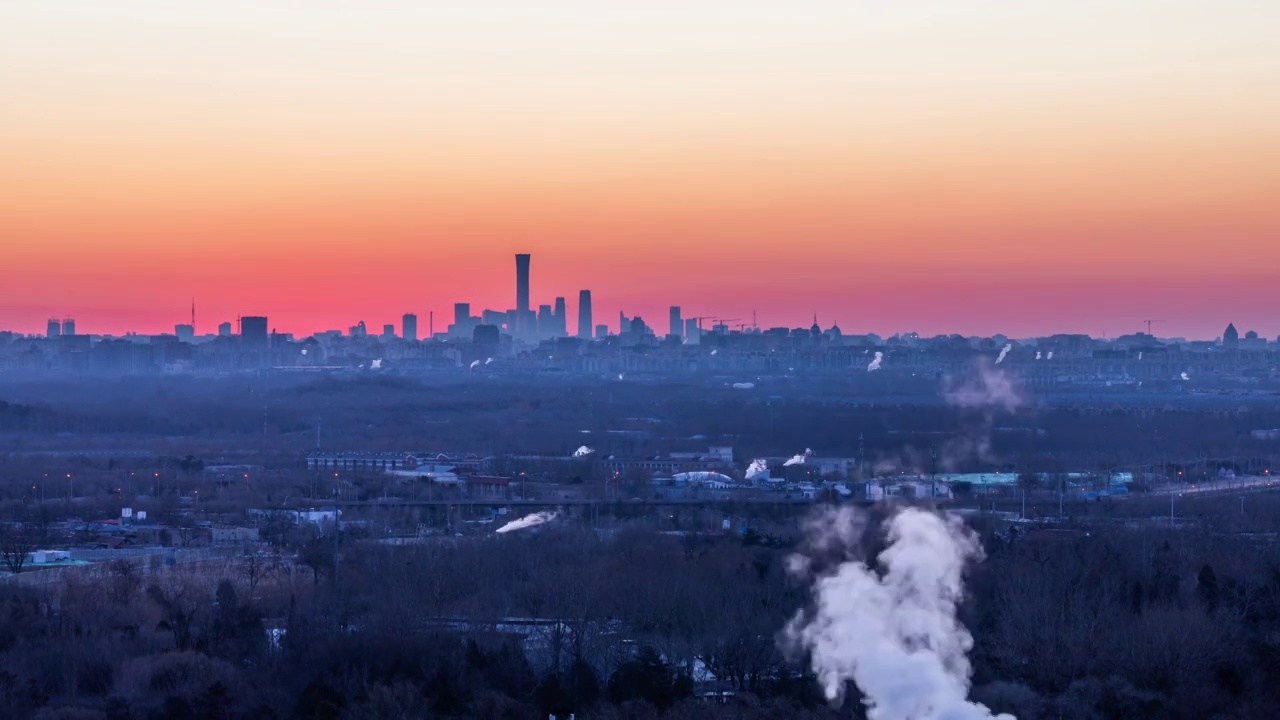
x=936, y=168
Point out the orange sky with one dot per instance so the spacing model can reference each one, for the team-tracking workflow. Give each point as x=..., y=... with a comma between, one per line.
x=996, y=168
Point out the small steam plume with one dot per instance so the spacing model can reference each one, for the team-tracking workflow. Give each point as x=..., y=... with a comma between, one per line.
x=620, y=376
x=582, y=452
x=528, y=521
x=1139, y=354
x=475, y=364
x=991, y=388
x=744, y=385
x=1049, y=356
x=798, y=459
x=713, y=352
x=875, y=362
x=1003, y=351
x=757, y=470
x=1185, y=376
x=486, y=362
x=304, y=351
x=890, y=628
x=376, y=364
x=1037, y=354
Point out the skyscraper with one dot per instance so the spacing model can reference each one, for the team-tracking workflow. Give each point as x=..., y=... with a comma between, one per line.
x=224, y=329
x=409, y=327
x=522, y=292
x=546, y=323
x=461, y=315
x=561, y=318
x=388, y=331
x=584, y=314
x=69, y=326
x=55, y=328
x=677, y=325
x=253, y=332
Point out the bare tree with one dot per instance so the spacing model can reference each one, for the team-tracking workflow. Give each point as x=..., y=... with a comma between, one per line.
x=256, y=567
x=17, y=541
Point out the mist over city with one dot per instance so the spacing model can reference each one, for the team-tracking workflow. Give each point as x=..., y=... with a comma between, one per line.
x=639, y=361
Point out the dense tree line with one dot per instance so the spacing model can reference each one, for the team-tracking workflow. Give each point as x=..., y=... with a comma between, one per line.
x=1115, y=621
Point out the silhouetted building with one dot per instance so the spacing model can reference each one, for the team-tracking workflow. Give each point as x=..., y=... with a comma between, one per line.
x=1231, y=338
x=388, y=331
x=602, y=331
x=522, y=290
x=584, y=314
x=185, y=333
x=486, y=335
x=691, y=332
x=224, y=329
x=69, y=327
x=546, y=321
x=561, y=318
x=677, y=326
x=55, y=328
x=409, y=327
x=358, y=330
x=253, y=332
x=461, y=314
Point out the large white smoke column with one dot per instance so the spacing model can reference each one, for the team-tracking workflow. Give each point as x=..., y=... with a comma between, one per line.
x=891, y=628
x=875, y=362
x=527, y=521
x=1003, y=351
x=582, y=452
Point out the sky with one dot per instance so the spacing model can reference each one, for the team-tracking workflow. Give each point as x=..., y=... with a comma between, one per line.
x=978, y=167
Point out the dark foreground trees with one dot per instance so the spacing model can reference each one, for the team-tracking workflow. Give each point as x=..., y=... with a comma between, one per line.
x=1110, y=623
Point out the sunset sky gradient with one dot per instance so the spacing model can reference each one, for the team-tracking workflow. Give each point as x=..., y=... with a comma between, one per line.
x=975, y=167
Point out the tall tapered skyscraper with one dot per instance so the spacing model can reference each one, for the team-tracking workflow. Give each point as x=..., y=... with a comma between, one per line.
x=584, y=314
x=522, y=293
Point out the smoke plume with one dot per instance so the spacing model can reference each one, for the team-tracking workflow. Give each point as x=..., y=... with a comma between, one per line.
x=487, y=361
x=1049, y=356
x=1003, y=351
x=891, y=627
x=1185, y=376
x=1037, y=354
x=875, y=362
x=475, y=364
x=528, y=521
x=582, y=452
x=757, y=470
x=376, y=364
x=990, y=388
x=744, y=386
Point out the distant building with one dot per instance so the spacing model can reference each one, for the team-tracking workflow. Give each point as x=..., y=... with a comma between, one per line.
x=1231, y=338
x=388, y=331
x=522, y=291
x=253, y=332
x=185, y=333
x=691, y=332
x=409, y=327
x=55, y=328
x=602, y=331
x=358, y=330
x=677, y=325
x=584, y=314
x=486, y=335
x=224, y=329
x=560, y=318
x=69, y=327
x=546, y=323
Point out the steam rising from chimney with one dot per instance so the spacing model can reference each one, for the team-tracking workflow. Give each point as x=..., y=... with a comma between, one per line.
x=475, y=364
x=875, y=362
x=376, y=364
x=486, y=362
x=582, y=452
x=757, y=470
x=1050, y=355
x=1037, y=354
x=1186, y=376
x=528, y=521
x=1003, y=351
x=890, y=628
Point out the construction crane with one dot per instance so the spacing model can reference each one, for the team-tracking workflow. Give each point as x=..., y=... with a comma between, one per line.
x=1148, y=322
x=722, y=323
x=700, y=318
